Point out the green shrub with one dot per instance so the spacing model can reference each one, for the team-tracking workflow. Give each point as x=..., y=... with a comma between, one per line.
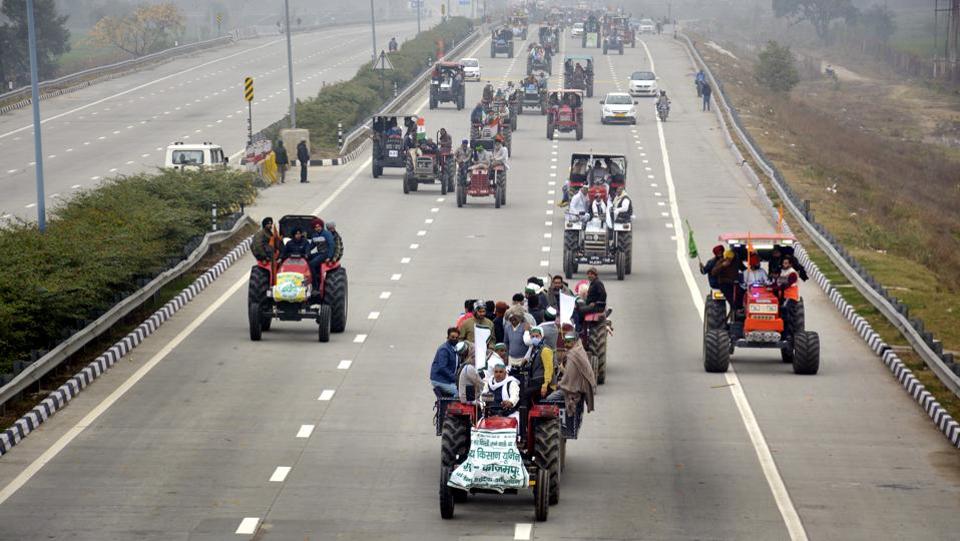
x=97, y=246
x=776, y=68
x=351, y=102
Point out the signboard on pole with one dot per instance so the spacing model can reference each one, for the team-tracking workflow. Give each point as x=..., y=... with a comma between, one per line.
x=248, y=89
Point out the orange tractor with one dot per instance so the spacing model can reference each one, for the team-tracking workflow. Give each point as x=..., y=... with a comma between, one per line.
x=763, y=316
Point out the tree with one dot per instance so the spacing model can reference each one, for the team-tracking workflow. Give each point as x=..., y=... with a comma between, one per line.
x=776, y=68
x=819, y=13
x=147, y=29
x=53, y=39
x=878, y=23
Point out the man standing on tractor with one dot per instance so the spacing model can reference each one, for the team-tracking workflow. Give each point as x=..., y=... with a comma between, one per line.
x=726, y=273
x=501, y=156
x=463, y=154
x=579, y=205
x=444, y=139
x=514, y=326
x=705, y=268
x=479, y=319
x=789, y=290
x=549, y=328
x=538, y=366
x=443, y=370
x=578, y=381
x=264, y=245
x=557, y=286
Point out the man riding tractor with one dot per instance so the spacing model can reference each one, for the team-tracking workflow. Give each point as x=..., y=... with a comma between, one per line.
x=533, y=93
x=578, y=73
x=565, y=113
x=539, y=58
x=446, y=84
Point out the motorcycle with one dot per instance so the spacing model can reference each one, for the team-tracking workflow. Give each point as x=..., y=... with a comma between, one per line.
x=663, y=110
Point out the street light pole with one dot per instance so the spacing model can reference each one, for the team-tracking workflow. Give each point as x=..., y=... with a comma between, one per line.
x=293, y=101
x=419, y=3
x=373, y=30
x=35, y=99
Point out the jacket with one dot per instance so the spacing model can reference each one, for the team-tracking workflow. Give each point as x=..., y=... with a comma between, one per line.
x=444, y=366
x=281, y=154
x=468, y=327
x=597, y=295
x=337, y=245
x=303, y=155
x=328, y=244
x=295, y=247
x=578, y=382
x=261, y=247
x=513, y=338
x=541, y=365
x=726, y=274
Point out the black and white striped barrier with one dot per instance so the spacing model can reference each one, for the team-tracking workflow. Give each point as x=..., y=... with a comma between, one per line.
x=56, y=400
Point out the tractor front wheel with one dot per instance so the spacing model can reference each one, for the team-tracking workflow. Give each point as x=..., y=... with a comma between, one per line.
x=256, y=295
x=806, y=353
x=323, y=323
x=446, y=494
x=541, y=495
x=716, y=350
x=621, y=265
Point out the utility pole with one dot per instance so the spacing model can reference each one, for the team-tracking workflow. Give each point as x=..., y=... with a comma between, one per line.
x=293, y=101
x=35, y=99
x=373, y=29
x=419, y=4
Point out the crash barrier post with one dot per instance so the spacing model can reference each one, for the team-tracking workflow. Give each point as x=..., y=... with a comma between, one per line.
x=339, y=135
x=213, y=217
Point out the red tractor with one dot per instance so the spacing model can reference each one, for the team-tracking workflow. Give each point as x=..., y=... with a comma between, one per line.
x=482, y=180
x=761, y=317
x=283, y=289
x=540, y=438
x=565, y=113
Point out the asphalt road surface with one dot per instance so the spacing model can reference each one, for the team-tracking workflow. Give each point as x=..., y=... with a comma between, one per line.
x=201, y=434
x=123, y=125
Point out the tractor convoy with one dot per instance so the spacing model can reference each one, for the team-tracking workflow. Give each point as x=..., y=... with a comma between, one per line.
x=503, y=418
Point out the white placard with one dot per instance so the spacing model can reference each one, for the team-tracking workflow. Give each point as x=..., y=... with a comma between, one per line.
x=480, y=337
x=567, y=302
x=493, y=462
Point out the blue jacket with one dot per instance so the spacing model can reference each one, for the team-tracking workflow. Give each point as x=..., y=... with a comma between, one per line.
x=292, y=247
x=444, y=367
x=328, y=249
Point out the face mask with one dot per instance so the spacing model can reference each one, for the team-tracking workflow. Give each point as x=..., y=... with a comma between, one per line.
x=453, y=341
x=536, y=341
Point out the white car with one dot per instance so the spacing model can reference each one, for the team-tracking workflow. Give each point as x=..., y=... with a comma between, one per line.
x=647, y=26
x=194, y=156
x=643, y=83
x=471, y=69
x=618, y=107
x=576, y=30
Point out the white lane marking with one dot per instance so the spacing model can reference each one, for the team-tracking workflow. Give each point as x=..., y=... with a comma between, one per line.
x=96, y=412
x=11, y=171
x=428, y=221
x=522, y=532
x=54, y=195
x=280, y=474
x=658, y=194
x=551, y=183
x=248, y=526
x=344, y=365
x=788, y=512
x=385, y=295
x=114, y=170
x=95, y=178
x=130, y=162
x=544, y=263
x=414, y=246
x=435, y=209
x=305, y=431
x=547, y=235
x=550, y=212
x=31, y=205
x=544, y=248
x=548, y=223
x=668, y=225
x=145, y=155
x=69, y=150
x=404, y=260
x=326, y=395
x=396, y=276
x=421, y=233
x=440, y=199
x=359, y=339
x=373, y=315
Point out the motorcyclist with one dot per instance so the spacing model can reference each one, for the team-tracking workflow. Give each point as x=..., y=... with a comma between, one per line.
x=663, y=100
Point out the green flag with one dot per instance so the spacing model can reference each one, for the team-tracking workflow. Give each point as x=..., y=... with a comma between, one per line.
x=691, y=244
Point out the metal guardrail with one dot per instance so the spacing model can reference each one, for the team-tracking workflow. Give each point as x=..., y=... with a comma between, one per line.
x=125, y=65
x=37, y=370
x=412, y=88
x=893, y=310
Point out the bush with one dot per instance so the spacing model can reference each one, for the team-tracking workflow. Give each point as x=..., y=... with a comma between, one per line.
x=352, y=102
x=776, y=68
x=97, y=246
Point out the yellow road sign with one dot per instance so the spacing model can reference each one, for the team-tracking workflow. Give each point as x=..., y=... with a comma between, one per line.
x=248, y=89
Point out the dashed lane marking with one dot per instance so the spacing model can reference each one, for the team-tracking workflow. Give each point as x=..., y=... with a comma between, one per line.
x=248, y=526
x=326, y=395
x=306, y=430
x=359, y=339
x=280, y=474
x=344, y=365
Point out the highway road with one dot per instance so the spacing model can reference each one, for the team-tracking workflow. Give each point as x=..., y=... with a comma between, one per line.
x=201, y=434
x=123, y=125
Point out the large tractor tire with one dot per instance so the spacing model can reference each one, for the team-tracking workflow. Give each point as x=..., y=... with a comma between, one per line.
x=716, y=350
x=323, y=323
x=806, y=353
x=541, y=495
x=621, y=265
x=571, y=241
x=461, y=195
x=579, y=128
x=433, y=101
x=454, y=441
x=799, y=317
x=406, y=182
x=446, y=494
x=598, y=349
x=256, y=294
x=714, y=314
x=497, y=196
x=547, y=441
x=335, y=295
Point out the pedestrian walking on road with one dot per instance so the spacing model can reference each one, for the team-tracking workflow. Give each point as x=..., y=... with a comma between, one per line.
x=283, y=160
x=303, y=156
x=707, y=91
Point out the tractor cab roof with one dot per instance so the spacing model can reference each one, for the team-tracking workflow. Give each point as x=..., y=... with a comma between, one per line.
x=762, y=243
x=292, y=222
x=575, y=57
x=581, y=162
x=382, y=123
x=450, y=65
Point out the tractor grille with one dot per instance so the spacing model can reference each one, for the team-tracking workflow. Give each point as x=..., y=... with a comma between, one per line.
x=424, y=163
x=595, y=242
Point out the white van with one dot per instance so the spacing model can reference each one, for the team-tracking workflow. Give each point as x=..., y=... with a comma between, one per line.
x=194, y=156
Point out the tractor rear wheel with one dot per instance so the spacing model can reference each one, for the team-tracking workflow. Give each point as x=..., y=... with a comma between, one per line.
x=496, y=196
x=541, y=495
x=625, y=242
x=806, y=353
x=454, y=441
x=547, y=438
x=335, y=295
x=446, y=494
x=323, y=323
x=256, y=295
x=621, y=265
x=714, y=314
x=716, y=350
x=598, y=349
